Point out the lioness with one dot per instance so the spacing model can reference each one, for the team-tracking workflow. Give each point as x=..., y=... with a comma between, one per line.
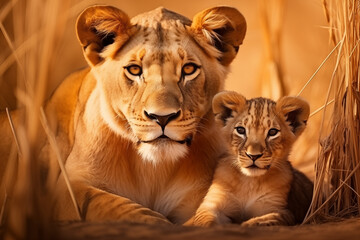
x=256, y=184
x=136, y=128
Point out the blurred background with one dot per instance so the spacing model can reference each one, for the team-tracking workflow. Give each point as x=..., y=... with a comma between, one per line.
x=286, y=42
x=287, y=51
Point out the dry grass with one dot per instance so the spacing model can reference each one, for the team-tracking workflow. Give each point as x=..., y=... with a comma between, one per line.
x=272, y=79
x=33, y=41
x=337, y=182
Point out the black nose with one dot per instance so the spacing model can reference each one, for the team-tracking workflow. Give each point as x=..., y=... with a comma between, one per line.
x=162, y=120
x=254, y=157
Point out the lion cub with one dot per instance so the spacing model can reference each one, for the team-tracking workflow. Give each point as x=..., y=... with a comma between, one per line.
x=256, y=184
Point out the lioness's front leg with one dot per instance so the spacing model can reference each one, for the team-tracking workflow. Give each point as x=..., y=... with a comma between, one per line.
x=284, y=217
x=98, y=205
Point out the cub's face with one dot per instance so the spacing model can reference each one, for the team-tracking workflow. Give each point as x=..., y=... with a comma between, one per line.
x=158, y=72
x=260, y=131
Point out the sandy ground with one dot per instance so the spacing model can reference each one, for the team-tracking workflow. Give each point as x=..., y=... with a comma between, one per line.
x=348, y=229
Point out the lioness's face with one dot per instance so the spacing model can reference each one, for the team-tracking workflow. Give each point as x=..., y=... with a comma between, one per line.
x=162, y=85
x=156, y=86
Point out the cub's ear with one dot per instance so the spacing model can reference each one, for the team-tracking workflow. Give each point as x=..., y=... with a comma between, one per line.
x=224, y=27
x=296, y=112
x=226, y=103
x=98, y=27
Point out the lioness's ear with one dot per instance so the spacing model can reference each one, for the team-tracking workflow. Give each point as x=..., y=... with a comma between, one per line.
x=296, y=112
x=98, y=27
x=226, y=103
x=224, y=27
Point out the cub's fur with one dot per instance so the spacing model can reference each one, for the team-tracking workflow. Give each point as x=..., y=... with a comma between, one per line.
x=136, y=129
x=256, y=184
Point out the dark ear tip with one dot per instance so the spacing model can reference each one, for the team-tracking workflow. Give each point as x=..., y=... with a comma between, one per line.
x=236, y=48
x=226, y=104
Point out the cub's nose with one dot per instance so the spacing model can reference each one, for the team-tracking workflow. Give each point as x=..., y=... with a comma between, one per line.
x=162, y=120
x=253, y=157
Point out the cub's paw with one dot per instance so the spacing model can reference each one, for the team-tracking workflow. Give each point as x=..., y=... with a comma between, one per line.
x=204, y=223
x=260, y=222
x=202, y=220
x=271, y=219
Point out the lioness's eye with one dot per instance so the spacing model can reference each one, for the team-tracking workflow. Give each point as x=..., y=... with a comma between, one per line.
x=241, y=130
x=134, y=70
x=272, y=132
x=189, y=68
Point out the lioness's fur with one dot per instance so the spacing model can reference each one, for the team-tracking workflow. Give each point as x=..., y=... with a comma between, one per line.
x=136, y=129
x=256, y=184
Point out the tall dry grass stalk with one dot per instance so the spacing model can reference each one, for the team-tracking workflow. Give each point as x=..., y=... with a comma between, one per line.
x=337, y=180
x=272, y=18
x=26, y=188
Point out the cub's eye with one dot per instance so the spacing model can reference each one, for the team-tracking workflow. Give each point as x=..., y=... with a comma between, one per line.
x=241, y=130
x=273, y=131
x=189, y=68
x=134, y=70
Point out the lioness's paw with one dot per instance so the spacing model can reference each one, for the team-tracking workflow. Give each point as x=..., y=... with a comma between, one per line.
x=156, y=221
x=151, y=217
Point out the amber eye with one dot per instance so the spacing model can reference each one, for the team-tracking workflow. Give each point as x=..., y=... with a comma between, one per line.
x=273, y=131
x=189, y=68
x=241, y=130
x=134, y=70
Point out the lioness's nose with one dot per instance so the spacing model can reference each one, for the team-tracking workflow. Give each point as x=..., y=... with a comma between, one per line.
x=253, y=157
x=162, y=120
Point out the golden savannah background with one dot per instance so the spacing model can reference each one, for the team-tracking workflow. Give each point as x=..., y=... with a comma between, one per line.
x=308, y=48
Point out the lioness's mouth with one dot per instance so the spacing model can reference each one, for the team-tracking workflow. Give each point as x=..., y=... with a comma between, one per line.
x=163, y=137
x=253, y=166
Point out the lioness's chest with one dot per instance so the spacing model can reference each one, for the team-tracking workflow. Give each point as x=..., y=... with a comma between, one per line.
x=172, y=189
x=168, y=190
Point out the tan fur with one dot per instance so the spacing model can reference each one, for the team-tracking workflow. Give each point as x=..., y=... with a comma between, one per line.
x=266, y=191
x=120, y=166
